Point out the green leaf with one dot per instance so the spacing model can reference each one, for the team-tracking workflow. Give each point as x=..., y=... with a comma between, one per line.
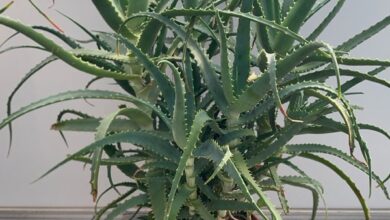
x=147, y=140
x=203, y=62
x=271, y=11
x=221, y=164
x=353, y=82
x=306, y=183
x=135, y=6
x=230, y=136
x=199, y=122
x=182, y=195
x=156, y=192
x=111, y=12
x=319, y=148
x=343, y=176
x=190, y=93
x=60, y=52
x=112, y=204
x=323, y=74
x=278, y=183
x=256, y=19
x=364, y=35
x=123, y=207
x=241, y=64
x=212, y=151
x=326, y=21
x=162, y=80
x=226, y=76
x=90, y=125
x=232, y=205
x=81, y=94
x=240, y=163
x=293, y=21
x=202, y=210
x=32, y=72
x=140, y=118
x=179, y=127
x=114, y=161
x=268, y=102
x=3, y=9
x=261, y=30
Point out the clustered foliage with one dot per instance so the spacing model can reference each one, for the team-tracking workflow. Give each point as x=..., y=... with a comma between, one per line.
x=206, y=80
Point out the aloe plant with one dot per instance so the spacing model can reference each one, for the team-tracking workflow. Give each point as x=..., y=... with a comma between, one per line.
x=205, y=95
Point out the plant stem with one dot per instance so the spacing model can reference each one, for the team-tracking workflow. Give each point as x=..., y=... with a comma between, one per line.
x=190, y=178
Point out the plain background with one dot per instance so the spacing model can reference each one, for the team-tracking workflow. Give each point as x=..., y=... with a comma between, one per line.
x=36, y=149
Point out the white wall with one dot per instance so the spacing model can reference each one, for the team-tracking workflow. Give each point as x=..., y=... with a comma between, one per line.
x=35, y=148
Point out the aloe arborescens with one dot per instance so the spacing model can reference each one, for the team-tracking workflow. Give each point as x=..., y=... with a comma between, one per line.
x=206, y=92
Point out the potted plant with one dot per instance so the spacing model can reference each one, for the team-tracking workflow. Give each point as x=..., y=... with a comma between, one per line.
x=207, y=81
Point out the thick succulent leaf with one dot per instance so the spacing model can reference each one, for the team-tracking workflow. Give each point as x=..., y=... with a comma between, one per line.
x=182, y=195
x=317, y=7
x=255, y=92
x=202, y=211
x=112, y=204
x=8, y=49
x=256, y=19
x=162, y=80
x=161, y=164
x=293, y=21
x=325, y=125
x=130, y=203
x=212, y=151
x=230, y=136
x=353, y=82
x=140, y=118
x=135, y=6
x=326, y=21
x=203, y=62
x=241, y=64
x=278, y=183
x=221, y=163
x=350, y=61
x=179, y=127
x=364, y=35
x=3, y=9
x=292, y=60
x=114, y=161
x=156, y=192
x=268, y=102
x=199, y=122
x=271, y=11
x=90, y=125
x=34, y=70
x=305, y=183
x=226, y=76
x=343, y=176
x=240, y=163
x=112, y=14
x=261, y=30
x=319, y=148
x=60, y=52
x=104, y=55
x=191, y=3
x=147, y=140
x=72, y=43
x=323, y=74
x=343, y=108
x=286, y=6
x=231, y=205
x=189, y=87
x=81, y=94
